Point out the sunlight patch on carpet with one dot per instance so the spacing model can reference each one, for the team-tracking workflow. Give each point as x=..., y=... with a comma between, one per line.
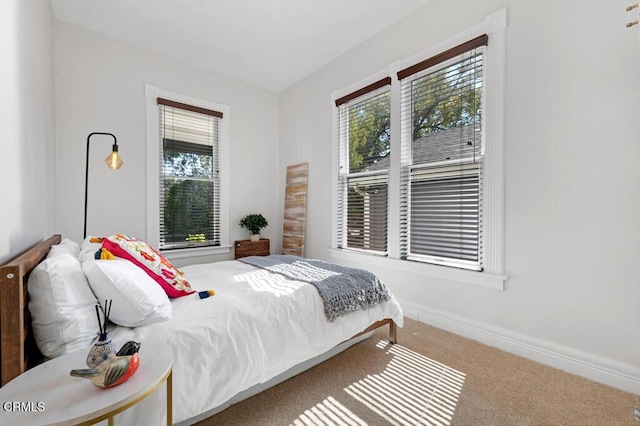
x=412, y=389
x=328, y=412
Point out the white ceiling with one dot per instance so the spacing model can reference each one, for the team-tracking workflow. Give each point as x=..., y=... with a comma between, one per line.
x=268, y=43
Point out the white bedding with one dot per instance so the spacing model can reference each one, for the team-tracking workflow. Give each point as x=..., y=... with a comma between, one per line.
x=257, y=326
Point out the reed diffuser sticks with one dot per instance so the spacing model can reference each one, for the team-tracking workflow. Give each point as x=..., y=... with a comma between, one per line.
x=102, y=323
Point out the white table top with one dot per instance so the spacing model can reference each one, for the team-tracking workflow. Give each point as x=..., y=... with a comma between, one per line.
x=59, y=399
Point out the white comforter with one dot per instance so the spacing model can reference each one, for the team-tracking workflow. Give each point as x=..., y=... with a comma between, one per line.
x=257, y=325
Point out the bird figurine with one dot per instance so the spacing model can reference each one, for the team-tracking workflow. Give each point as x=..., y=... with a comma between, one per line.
x=114, y=370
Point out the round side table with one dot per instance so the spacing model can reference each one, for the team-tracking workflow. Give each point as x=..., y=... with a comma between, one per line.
x=47, y=394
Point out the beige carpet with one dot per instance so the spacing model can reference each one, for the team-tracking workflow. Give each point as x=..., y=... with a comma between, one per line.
x=432, y=377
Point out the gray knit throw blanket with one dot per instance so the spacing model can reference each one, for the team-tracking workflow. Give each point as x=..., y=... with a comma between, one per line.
x=342, y=289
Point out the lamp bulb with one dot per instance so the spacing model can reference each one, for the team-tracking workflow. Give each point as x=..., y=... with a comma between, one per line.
x=114, y=161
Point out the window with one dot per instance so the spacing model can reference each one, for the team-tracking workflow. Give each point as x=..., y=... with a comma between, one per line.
x=363, y=175
x=186, y=202
x=442, y=158
x=441, y=172
x=189, y=176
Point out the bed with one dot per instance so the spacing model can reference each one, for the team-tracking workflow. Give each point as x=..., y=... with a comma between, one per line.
x=259, y=329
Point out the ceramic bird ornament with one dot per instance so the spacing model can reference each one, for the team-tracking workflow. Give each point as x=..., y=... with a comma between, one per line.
x=115, y=369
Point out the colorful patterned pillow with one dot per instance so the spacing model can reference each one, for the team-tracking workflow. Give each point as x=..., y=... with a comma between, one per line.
x=153, y=263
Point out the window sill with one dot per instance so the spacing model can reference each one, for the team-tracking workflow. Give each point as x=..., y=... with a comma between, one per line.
x=481, y=279
x=195, y=252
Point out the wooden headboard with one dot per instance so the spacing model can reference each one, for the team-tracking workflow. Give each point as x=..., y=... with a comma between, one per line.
x=18, y=350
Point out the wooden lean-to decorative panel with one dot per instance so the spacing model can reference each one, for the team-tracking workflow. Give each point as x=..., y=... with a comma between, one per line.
x=295, y=208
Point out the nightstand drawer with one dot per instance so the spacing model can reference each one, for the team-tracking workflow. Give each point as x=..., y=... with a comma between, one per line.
x=245, y=248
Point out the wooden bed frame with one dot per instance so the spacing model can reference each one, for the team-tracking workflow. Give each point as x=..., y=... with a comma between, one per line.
x=18, y=350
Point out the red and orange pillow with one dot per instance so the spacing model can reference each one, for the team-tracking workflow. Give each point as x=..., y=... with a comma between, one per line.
x=151, y=261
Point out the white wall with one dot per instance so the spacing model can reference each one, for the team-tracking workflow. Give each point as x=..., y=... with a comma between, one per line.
x=27, y=212
x=100, y=87
x=572, y=181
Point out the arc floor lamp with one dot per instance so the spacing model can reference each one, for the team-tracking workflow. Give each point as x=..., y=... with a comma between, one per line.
x=113, y=161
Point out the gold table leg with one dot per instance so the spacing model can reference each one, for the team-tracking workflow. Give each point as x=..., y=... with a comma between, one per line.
x=169, y=398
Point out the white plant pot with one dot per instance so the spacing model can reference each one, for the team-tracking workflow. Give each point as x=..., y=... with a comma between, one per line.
x=255, y=237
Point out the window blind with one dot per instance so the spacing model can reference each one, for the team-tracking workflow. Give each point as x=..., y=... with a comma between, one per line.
x=363, y=169
x=442, y=158
x=189, y=176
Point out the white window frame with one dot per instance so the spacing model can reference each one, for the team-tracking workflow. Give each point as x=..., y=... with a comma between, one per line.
x=493, y=276
x=407, y=143
x=345, y=177
x=152, y=93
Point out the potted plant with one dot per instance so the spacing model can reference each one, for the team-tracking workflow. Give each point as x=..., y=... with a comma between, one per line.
x=254, y=223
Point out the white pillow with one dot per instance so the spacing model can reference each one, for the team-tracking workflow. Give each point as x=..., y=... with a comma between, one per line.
x=88, y=249
x=65, y=246
x=137, y=299
x=62, y=306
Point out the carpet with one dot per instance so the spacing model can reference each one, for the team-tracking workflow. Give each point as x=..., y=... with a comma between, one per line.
x=432, y=377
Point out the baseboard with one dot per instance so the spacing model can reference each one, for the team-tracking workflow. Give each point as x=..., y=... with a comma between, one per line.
x=623, y=376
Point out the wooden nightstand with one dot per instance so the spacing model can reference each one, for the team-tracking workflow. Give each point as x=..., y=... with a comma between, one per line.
x=245, y=248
